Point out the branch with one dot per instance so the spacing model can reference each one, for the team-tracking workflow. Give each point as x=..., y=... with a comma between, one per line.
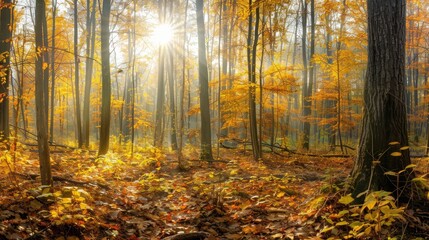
x=60, y=179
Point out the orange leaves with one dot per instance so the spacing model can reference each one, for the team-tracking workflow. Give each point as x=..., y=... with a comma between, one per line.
x=280, y=80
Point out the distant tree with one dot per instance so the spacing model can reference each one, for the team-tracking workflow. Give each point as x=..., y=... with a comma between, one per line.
x=384, y=128
x=160, y=95
x=5, y=40
x=203, y=75
x=41, y=95
x=105, y=75
x=182, y=92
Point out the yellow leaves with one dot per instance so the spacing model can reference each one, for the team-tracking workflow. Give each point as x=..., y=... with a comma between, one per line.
x=396, y=154
x=280, y=194
x=346, y=200
x=45, y=65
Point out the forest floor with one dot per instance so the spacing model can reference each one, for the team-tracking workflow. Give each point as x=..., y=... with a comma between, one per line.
x=146, y=197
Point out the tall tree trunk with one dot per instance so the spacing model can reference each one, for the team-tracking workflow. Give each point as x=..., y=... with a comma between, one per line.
x=51, y=125
x=89, y=62
x=385, y=116
x=105, y=81
x=309, y=91
x=329, y=104
x=133, y=73
x=76, y=78
x=251, y=65
x=203, y=75
x=225, y=42
x=41, y=95
x=5, y=40
x=305, y=101
x=338, y=56
x=182, y=92
x=159, y=121
x=173, y=133
x=160, y=95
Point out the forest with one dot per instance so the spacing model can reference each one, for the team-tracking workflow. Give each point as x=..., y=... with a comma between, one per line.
x=214, y=119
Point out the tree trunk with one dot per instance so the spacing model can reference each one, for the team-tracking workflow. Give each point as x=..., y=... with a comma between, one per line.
x=90, y=49
x=51, y=125
x=309, y=91
x=5, y=40
x=203, y=75
x=160, y=96
x=76, y=78
x=385, y=116
x=173, y=133
x=182, y=92
x=329, y=104
x=105, y=81
x=251, y=68
x=41, y=116
x=305, y=109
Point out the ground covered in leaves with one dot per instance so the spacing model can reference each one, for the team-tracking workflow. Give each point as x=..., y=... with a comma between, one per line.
x=145, y=196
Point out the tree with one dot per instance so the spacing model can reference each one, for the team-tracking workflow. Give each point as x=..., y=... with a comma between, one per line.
x=160, y=95
x=305, y=113
x=5, y=40
x=41, y=95
x=105, y=75
x=51, y=120
x=89, y=62
x=384, y=128
x=203, y=75
x=251, y=68
x=76, y=77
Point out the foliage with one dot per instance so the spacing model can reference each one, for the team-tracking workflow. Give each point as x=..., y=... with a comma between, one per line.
x=71, y=206
x=373, y=219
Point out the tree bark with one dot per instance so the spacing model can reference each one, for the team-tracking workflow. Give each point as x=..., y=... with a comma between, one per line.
x=305, y=101
x=51, y=125
x=251, y=68
x=89, y=62
x=41, y=95
x=203, y=75
x=76, y=78
x=385, y=116
x=105, y=81
x=160, y=95
x=5, y=40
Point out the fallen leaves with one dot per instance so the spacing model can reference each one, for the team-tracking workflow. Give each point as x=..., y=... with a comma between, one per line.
x=147, y=198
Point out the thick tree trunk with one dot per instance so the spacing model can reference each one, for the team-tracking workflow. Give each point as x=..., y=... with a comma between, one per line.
x=203, y=75
x=41, y=95
x=105, y=82
x=5, y=40
x=385, y=116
